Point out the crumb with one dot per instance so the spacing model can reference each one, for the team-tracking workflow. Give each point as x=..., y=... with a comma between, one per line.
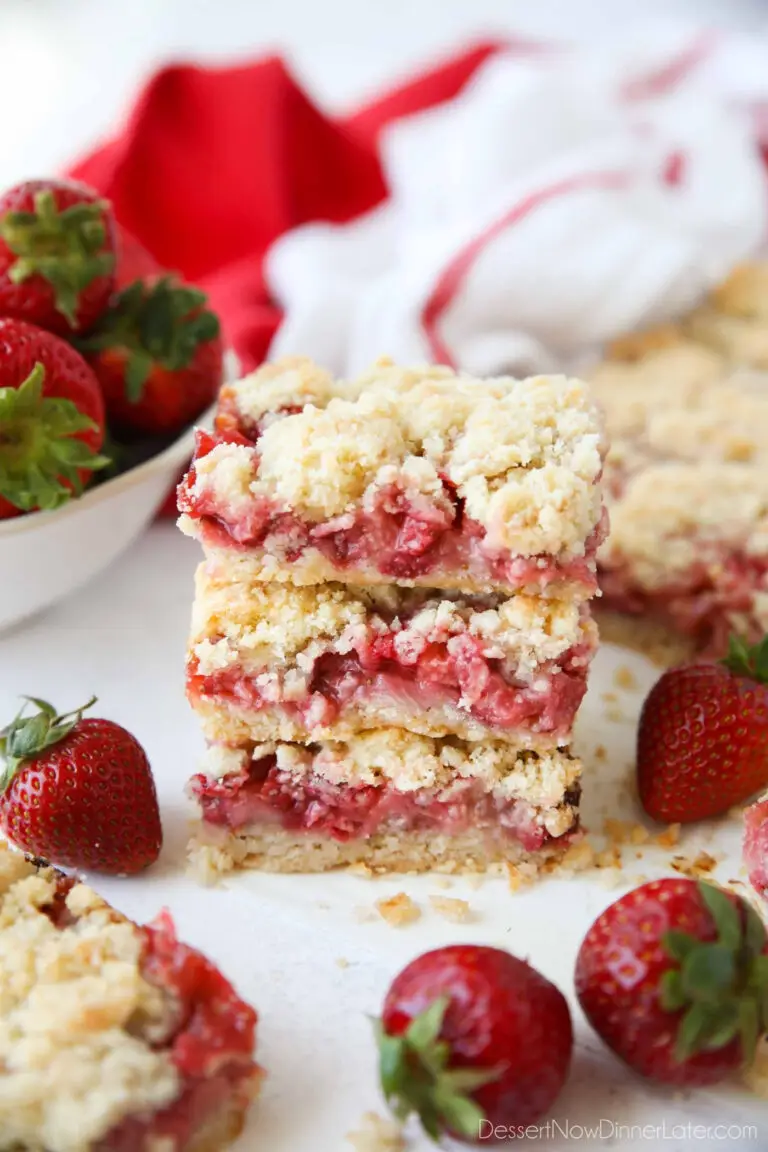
x=639, y=834
x=600, y=752
x=610, y=878
x=442, y=882
x=625, y=678
x=609, y=858
x=452, y=909
x=701, y=865
x=628, y=786
x=520, y=875
x=669, y=837
x=376, y=1134
x=398, y=910
x=615, y=716
x=342, y=962
x=756, y=1075
x=360, y=868
x=617, y=831
x=609, y=697
x=579, y=857
x=476, y=880
x=639, y=879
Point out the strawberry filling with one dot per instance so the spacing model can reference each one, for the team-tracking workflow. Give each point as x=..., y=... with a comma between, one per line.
x=266, y=795
x=396, y=537
x=453, y=676
x=211, y=1045
x=715, y=597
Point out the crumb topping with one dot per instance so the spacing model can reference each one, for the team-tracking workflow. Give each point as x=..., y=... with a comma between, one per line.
x=271, y=626
x=674, y=516
x=74, y=1014
x=525, y=455
x=686, y=411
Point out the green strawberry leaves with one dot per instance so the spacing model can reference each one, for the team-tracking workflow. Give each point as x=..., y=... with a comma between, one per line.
x=155, y=324
x=28, y=736
x=64, y=247
x=722, y=985
x=41, y=456
x=415, y=1077
x=747, y=660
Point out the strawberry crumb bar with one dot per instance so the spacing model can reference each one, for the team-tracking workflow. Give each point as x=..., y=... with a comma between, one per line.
x=328, y=661
x=687, y=474
x=113, y=1037
x=423, y=477
x=389, y=799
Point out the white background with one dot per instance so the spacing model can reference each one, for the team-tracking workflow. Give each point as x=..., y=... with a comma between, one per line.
x=68, y=68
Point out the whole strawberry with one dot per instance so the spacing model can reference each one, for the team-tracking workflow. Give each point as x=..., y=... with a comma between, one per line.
x=702, y=743
x=78, y=792
x=51, y=420
x=57, y=255
x=472, y=1038
x=158, y=355
x=756, y=845
x=674, y=978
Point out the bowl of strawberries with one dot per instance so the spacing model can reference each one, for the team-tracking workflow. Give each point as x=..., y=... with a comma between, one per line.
x=106, y=361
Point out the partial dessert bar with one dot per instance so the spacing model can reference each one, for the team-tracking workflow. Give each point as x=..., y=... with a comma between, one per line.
x=687, y=487
x=113, y=1037
x=388, y=799
x=424, y=478
x=328, y=661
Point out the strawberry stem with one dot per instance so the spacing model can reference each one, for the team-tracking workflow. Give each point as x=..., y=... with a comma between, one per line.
x=720, y=986
x=156, y=324
x=64, y=247
x=415, y=1077
x=747, y=660
x=41, y=457
x=27, y=736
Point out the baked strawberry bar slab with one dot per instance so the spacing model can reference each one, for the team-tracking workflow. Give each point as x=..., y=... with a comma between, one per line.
x=113, y=1037
x=389, y=799
x=687, y=488
x=327, y=661
x=424, y=478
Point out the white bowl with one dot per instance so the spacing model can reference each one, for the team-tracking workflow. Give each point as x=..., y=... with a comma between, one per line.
x=47, y=555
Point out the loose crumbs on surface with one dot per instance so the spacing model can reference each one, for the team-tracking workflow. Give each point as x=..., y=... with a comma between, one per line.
x=376, y=1135
x=398, y=910
x=457, y=911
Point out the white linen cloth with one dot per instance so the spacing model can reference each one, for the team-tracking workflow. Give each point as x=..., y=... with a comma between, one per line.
x=566, y=196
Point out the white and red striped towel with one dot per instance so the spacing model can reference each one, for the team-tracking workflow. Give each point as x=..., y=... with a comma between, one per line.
x=564, y=197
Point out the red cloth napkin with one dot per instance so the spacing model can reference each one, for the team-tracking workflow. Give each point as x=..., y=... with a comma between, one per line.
x=215, y=163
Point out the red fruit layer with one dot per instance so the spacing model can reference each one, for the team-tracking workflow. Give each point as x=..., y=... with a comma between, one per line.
x=462, y=679
x=211, y=1045
x=396, y=539
x=756, y=845
x=266, y=795
x=705, y=604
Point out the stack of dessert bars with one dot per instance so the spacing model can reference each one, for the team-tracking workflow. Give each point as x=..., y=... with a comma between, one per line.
x=392, y=631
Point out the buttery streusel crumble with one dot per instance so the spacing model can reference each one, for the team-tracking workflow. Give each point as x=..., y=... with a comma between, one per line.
x=423, y=477
x=97, y=1029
